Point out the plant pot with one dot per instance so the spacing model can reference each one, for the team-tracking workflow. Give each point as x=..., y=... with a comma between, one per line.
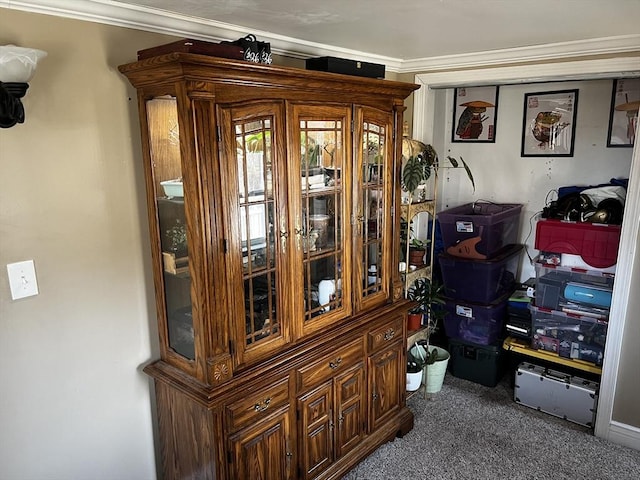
x=416, y=256
x=414, y=380
x=434, y=373
x=414, y=321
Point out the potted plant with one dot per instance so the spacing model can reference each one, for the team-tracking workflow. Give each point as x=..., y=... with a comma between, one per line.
x=414, y=372
x=434, y=361
x=310, y=157
x=424, y=293
x=420, y=161
x=414, y=319
x=418, y=249
x=430, y=300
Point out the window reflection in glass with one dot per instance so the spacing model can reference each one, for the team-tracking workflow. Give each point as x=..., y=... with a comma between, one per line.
x=257, y=219
x=321, y=143
x=373, y=167
x=164, y=140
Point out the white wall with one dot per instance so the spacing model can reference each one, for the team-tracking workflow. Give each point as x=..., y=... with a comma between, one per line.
x=503, y=176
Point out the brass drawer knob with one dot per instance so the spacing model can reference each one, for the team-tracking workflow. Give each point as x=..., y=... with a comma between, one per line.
x=262, y=406
x=336, y=364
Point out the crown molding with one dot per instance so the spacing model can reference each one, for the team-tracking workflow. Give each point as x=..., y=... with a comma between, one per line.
x=536, y=53
x=159, y=21
x=183, y=26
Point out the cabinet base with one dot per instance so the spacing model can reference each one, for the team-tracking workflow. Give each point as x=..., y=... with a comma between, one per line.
x=398, y=426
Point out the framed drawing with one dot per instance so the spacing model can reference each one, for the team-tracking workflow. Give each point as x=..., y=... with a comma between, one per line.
x=623, y=115
x=548, y=127
x=474, y=114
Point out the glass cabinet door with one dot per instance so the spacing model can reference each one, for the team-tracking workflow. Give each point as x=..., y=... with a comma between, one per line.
x=320, y=182
x=258, y=227
x=372, y=206
x=164, y=142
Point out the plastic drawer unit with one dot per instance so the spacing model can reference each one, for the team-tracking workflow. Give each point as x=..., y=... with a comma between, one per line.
x=585, y=292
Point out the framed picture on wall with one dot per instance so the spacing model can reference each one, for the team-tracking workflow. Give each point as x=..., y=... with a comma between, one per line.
x=474, y=114
x=548, y=127
x=623, y=115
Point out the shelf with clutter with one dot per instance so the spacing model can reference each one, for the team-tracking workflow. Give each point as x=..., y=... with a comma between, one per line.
x=577, y=237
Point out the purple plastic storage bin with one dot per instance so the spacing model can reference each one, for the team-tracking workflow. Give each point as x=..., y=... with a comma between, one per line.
x=479, y=324
x=480, y=281
x=480, y=229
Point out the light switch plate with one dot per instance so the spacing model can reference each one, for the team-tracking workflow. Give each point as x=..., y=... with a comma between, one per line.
x=22, y=279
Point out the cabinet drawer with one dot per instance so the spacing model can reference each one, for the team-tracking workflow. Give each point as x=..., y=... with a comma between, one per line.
x=386, y=334
x=257, y=404
x=329, y=365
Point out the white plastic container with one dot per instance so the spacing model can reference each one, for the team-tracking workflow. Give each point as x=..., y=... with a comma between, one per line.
x=173, y=188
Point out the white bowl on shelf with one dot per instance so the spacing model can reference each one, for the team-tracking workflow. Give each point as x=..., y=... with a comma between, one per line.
x=173, y=188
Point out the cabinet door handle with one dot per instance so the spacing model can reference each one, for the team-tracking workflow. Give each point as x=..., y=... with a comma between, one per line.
x=262, y=406
x=289, y=456
x=283, y=240
x=336, y=364
x=375, y=395
x=389, y=334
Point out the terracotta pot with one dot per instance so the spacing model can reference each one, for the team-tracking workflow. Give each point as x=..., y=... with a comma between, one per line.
x=414, y=321
x=416, y=257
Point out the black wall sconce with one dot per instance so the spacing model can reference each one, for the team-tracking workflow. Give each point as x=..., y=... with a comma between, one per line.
x=17, y=67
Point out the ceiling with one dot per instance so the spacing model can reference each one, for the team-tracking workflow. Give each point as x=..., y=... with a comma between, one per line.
x=411, y=29
x=392, y=32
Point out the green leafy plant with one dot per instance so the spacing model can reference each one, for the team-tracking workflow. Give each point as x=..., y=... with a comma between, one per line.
x=420, y=355
x=421, y=161
x=419, y=244
x=310, y=152
x=430, y=300
x=178, y=237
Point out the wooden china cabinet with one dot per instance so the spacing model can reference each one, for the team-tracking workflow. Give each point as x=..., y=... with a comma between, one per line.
x=273, y=202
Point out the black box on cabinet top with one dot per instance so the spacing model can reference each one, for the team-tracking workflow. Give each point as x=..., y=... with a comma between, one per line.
x=345, y=66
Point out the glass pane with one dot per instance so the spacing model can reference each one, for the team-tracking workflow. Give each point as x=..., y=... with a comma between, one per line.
x=260, y=307
x=373, y=167
x=164, y=137
x=321, y=165
x=257, y=218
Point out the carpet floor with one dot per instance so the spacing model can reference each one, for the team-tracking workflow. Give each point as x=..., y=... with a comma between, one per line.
x=469, y=431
